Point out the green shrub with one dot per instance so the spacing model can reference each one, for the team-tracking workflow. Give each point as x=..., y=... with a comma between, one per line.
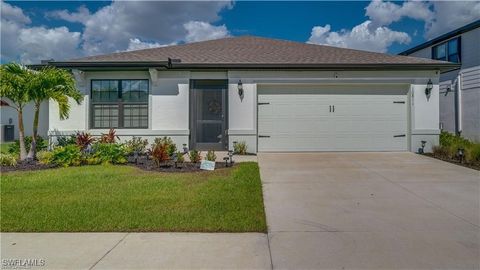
x=14, y=148
x=167, y=143
x=452, y=143
x=472, y=153
x=45, y=157
x=69, y=155
x=211, y=156
x=195, y=156
x=180, y=157
x=107, y=153
x=240, y=148
x=136, y=144
x=66, y=140
x=8, y=159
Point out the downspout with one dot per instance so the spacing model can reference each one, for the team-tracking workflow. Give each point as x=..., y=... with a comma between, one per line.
x=458, y=105
x=460, y=109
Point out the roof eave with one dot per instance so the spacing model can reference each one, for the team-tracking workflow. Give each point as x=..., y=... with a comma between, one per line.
x=435, y=66
x=443, y=37
x=169, y=65
x=115, y=64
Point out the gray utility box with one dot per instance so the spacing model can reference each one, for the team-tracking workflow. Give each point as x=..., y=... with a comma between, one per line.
x=8, y=133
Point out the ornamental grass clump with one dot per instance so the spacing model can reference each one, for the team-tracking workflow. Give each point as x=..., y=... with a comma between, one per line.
x=211, y=156
x=240, y=148
x=450, y=145
x=45, y=157
x=195, y=156
x=7, y=159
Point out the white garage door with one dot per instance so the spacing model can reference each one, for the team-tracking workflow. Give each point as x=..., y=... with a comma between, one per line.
x=332, y=118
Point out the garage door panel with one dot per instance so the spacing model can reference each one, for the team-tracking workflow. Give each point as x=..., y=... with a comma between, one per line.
x=303, y=122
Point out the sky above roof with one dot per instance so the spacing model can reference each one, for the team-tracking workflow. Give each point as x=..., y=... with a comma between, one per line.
x=36, y=30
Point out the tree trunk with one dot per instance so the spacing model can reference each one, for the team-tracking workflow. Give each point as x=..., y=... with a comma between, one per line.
x=21, y=135
x=33, y=146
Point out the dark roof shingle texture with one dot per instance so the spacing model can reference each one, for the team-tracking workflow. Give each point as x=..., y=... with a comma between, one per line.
x=256, y=50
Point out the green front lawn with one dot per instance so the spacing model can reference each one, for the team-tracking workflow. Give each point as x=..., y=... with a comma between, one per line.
x=124, y=198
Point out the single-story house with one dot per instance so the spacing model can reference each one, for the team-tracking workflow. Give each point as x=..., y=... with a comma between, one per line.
x=275, y=95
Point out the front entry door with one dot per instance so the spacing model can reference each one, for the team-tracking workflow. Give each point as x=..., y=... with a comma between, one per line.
x=208, y=114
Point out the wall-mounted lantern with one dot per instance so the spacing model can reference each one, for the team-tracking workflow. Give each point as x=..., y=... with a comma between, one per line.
x=428, y=89
x=240, y=89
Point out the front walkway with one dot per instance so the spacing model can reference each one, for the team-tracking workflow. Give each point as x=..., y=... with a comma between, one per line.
x=370, y=211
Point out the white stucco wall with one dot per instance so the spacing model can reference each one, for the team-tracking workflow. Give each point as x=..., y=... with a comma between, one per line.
x=169, y=101
x=8, y=113
x=168, y=112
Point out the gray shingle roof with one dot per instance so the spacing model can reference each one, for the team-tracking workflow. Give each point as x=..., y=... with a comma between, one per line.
x=250, y=50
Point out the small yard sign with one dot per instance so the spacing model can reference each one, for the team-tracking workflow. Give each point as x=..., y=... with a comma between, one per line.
x=207, y=165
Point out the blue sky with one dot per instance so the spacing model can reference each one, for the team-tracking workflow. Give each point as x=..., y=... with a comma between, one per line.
x=35, y=30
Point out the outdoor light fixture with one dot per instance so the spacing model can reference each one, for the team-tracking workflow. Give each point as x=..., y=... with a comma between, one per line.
x=230, y=155
x=421, y=150
x=185, y=148
x=428, y=90
x=175, y=159
x=240, y=89
x=461, y=154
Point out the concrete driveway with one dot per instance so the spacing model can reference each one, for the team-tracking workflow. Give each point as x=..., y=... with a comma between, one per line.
x=370, y=211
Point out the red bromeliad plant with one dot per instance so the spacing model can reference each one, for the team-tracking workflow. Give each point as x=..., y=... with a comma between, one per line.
x=84, y=139
x=109, y=137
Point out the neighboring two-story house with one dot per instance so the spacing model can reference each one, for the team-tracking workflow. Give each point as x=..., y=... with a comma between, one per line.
x=459, y=88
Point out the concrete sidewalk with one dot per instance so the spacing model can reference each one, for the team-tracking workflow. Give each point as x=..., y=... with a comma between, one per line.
x=138, y=250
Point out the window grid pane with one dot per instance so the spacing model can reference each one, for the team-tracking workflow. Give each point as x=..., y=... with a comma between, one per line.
x=105, y=116
x=135, y=116
x=119, y=103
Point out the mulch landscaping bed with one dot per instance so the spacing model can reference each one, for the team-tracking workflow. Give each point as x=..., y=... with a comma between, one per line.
x=27, y=166
x=144, y=164
x=149, y=165
x=455, y=161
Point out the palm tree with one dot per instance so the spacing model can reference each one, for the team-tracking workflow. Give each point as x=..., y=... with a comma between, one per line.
x=56, y=84
x=15, y=81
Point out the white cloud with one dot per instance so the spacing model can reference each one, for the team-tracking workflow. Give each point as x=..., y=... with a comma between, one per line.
x=111, y=28
x=384, y=13
x=13, y=14
x=199, y=31
x=375, y=34
x=137, y=44
x=81, y=15
x=450, y=15
x=360, y=37
x=37, y=43
x=119, y=26
x=21, y=42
